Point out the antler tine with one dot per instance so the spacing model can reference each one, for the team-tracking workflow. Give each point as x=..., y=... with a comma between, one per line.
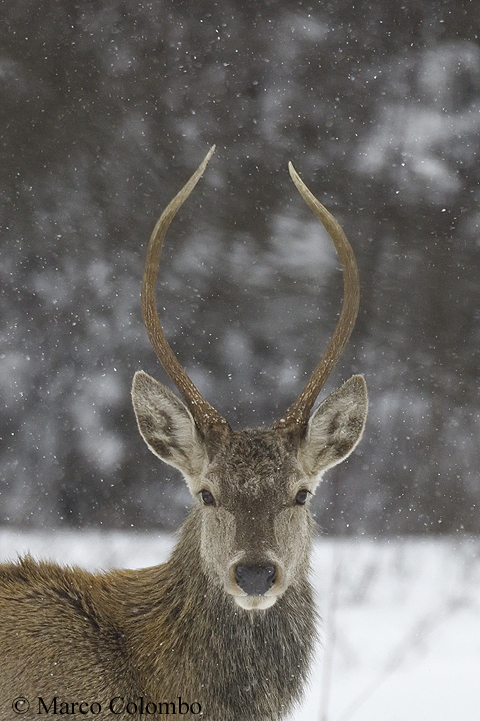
x=204, y=414
x=298, y=413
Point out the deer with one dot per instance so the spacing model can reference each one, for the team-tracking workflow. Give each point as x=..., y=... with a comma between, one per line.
x=225, y=629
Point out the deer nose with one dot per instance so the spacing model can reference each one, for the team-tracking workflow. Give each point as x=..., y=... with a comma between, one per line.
x=255, y=580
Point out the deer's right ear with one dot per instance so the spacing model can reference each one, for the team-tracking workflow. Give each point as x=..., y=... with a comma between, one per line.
x=167, y=426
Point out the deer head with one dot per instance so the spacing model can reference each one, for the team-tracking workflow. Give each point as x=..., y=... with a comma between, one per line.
x=252, y=487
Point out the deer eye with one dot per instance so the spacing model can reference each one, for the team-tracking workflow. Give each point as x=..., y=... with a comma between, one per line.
x=207, y=498
x=301, y=497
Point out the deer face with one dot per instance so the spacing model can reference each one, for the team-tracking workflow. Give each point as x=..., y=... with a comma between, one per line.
x=255, y=524
x=252, y=487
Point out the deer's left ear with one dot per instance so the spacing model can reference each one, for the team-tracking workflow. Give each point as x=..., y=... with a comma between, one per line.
x=335, y=428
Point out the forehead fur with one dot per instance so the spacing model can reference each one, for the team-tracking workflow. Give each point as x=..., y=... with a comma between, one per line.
x=255, y=461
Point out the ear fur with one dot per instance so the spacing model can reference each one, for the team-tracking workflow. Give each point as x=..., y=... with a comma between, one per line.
x=335, y=428
x=167, y=426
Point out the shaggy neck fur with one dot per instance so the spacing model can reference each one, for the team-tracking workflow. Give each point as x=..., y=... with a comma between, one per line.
x=235, y=663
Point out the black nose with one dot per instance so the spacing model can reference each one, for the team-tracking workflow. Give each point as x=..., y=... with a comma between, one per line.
x=255, y=580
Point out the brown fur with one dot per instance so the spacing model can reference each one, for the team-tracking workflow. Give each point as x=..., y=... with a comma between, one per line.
x=160, y=633
x=227, y=625
x=177, y=630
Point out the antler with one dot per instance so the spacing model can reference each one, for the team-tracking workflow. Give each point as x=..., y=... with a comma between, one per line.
x=205, y=415
x=298, y=413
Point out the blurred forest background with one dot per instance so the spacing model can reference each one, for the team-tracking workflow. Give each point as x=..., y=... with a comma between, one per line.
x=107, y=106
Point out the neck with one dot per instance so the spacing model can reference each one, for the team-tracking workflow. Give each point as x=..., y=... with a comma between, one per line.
x=192, y=640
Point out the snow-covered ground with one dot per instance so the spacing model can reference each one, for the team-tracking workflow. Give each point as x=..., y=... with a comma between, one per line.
x=401, y=619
